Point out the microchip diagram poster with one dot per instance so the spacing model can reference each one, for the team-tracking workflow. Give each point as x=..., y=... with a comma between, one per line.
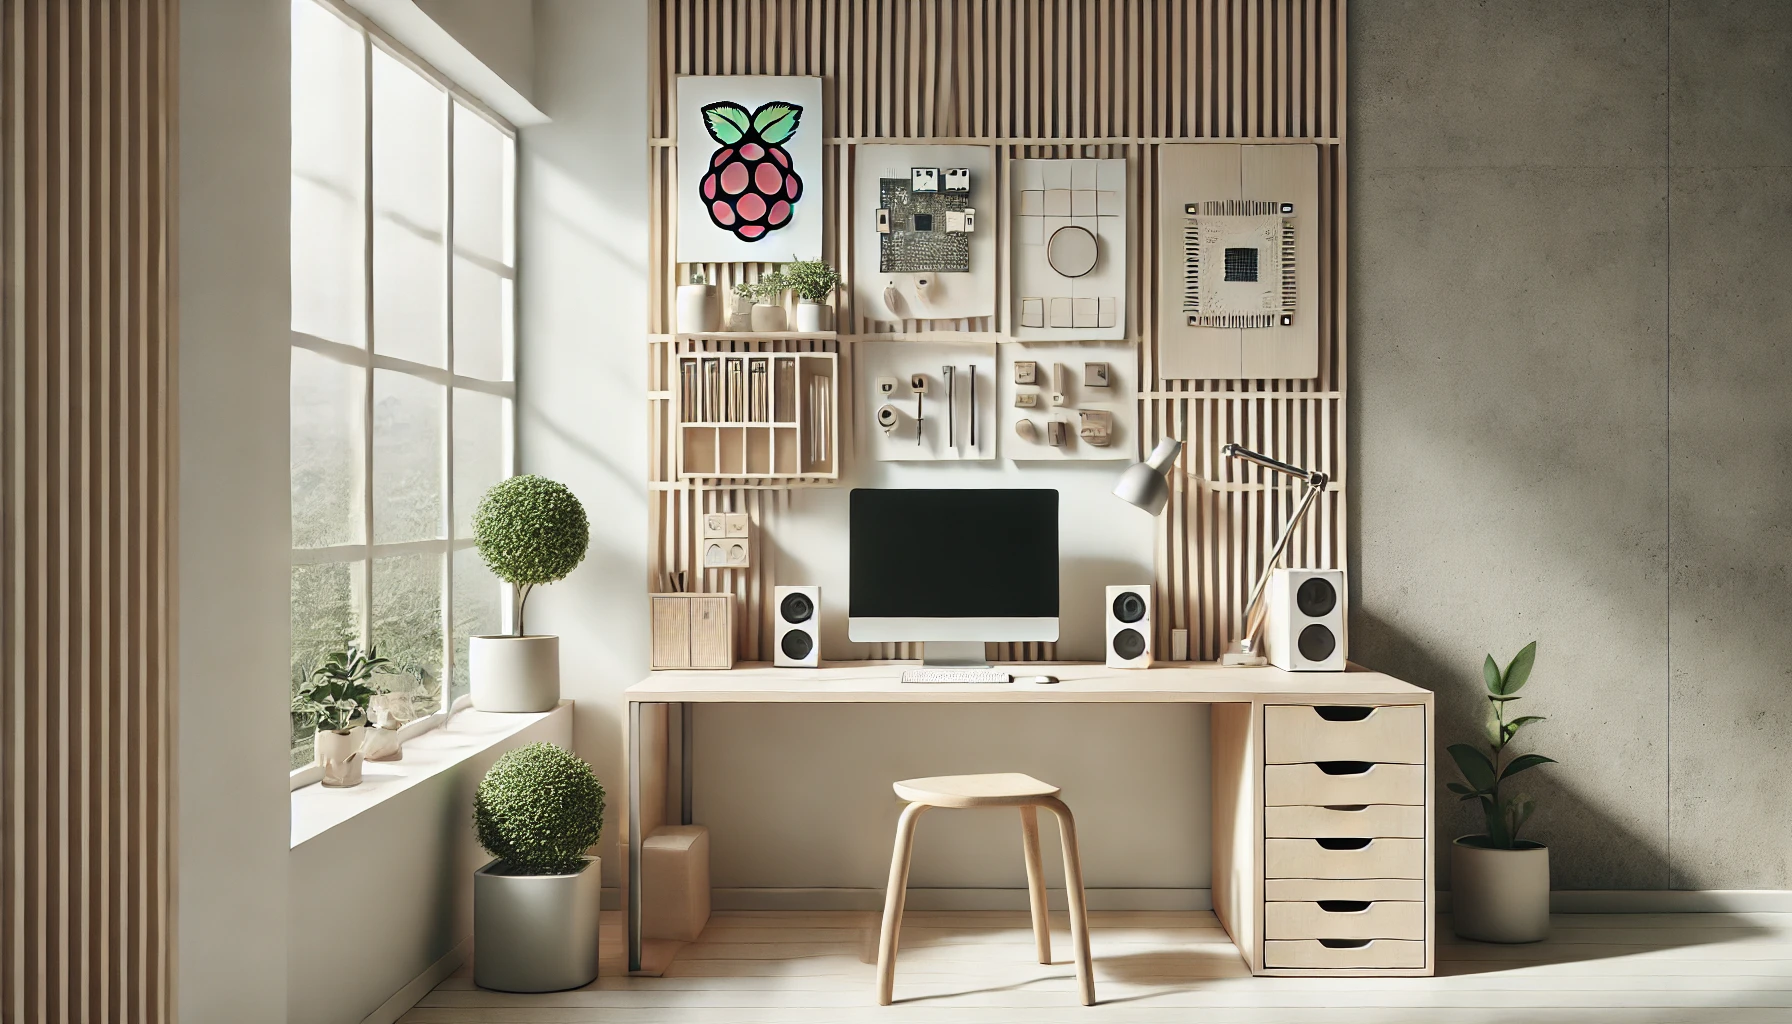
x=749, y=169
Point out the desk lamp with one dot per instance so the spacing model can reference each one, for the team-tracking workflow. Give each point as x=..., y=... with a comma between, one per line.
x=1144, y=485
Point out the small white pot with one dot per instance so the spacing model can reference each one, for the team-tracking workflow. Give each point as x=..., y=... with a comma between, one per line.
x=699, y=311
x=742, y=318
x=535, y=933
x=1499, y=895
x=339, y=754
x=515, y=673
x=382, y=744
x=813, y=316
x=767, y=318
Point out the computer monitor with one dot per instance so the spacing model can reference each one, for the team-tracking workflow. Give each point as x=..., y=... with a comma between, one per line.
x=953, y=567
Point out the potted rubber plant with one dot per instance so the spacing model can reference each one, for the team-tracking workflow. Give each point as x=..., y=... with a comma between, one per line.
x=535, y=905
x=1499, y=883
x=338, y=699
x=814, y=283
x=531, y=531
x=768, y=309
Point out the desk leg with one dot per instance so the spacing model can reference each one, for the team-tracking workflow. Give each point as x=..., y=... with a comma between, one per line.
x=632, y=919
x=687, y=731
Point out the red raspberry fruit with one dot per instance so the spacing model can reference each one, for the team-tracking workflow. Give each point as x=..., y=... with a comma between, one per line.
x=751, y=187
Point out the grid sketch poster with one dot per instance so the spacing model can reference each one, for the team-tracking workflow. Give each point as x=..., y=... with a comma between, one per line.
x=749, y=169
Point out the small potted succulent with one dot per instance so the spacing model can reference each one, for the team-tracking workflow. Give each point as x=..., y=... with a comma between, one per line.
x=698, y=310
x=768, y=310
x=535, y=906
x=531, y=530
x=814, y=283
x=742, y=318
x=338, y=699
x=1499, y=883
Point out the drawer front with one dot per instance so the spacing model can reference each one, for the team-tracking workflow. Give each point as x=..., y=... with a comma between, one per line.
x=1372, y=954
x=1344, y=919
x=1375, y=858
x=1293, y=733
x=671, y=632
x=1306, y=890
x=1367, y=821
x=1343, y=782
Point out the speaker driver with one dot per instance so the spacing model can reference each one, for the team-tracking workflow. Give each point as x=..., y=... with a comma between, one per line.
x=1316, y=642
x=796, y=608
x=1129, y=643
x=1316, y=597
x=796, y=643
x=1129, y=607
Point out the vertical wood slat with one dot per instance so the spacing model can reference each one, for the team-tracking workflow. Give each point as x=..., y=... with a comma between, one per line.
x=86, y=457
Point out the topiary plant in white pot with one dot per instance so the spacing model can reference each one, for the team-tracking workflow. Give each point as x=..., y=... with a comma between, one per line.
x=531, y=531
x=535, y=906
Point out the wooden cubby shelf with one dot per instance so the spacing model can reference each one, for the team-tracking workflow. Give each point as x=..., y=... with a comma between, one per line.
x=758, y=415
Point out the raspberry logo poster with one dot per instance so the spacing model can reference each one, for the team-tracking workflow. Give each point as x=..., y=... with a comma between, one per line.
x=749, y=168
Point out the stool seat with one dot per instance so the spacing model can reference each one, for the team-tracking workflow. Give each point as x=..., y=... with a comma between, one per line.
x=1000, y=789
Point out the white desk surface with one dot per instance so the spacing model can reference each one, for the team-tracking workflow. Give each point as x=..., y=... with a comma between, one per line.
x=1079, y=682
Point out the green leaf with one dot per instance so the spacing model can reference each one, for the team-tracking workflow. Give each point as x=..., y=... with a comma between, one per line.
x=1503, y=696
x=1493, y=726
x=1520, y=669
x=1457, y=787
x=1522, y=762
x=1498, y=835
x=1518, y=810
x=1514, y=725
x=727, y=122
x=777, y=121
x=1476, y=768
x=1490, y=670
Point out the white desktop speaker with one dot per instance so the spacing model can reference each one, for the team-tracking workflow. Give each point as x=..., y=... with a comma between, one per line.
x=1303, y=629
x=1129, y=626
x=796, y=641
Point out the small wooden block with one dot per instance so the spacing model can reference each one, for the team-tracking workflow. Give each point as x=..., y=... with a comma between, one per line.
x=675, y=883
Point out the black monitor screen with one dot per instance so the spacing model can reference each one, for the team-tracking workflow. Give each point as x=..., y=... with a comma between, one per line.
x=954, y=554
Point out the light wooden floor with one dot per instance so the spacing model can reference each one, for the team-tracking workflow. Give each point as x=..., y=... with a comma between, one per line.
x=975, y=968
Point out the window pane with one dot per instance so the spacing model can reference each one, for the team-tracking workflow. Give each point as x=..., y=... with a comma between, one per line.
x=325, y=618
x=484, y=172
x=407, y=626
x=410, y=175
x=328, y=170
x=481, y=441
x=478, y=609
x=328, y=398
x=407, y=457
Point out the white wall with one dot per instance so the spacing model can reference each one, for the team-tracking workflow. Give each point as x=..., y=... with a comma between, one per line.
x=234, y=532
x=501, y=33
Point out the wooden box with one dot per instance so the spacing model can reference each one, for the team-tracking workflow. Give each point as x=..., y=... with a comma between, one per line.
x=693, y=630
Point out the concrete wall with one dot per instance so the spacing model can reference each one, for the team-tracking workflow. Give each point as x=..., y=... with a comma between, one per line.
x=1569, y=298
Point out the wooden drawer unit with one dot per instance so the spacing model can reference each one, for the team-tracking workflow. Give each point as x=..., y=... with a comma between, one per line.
x=693, y=631
x=1298, y=733
x=1336, y=954
x=1308, y=890
x=1344, y=919
x=1348, y=783
x=1344, y=858
x=1362, y=821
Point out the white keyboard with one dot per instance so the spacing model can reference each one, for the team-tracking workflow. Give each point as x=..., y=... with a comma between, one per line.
x=956, y=675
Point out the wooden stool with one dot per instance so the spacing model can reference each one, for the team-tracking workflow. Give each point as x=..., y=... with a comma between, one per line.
x=1002, y=790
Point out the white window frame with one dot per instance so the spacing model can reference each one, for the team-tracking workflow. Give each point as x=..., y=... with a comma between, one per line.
x=367, y=360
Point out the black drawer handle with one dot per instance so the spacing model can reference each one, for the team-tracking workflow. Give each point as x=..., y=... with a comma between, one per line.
x=1342, y=713
x=1345, y=943
x=1344, y=844
x=1344, y=906
x=1348, y=808
x=1345, y=767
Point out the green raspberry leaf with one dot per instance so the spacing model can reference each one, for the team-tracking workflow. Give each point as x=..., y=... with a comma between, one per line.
x=777, y=121
x=727, y=122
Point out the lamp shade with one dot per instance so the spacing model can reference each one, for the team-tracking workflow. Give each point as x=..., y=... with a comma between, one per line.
x=1143, y=484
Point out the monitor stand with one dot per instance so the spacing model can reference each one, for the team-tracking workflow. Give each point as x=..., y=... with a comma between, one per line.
x=954, y=654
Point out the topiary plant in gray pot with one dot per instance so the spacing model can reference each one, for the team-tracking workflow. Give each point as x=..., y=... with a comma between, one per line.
x=535, y=906
x=531, y=531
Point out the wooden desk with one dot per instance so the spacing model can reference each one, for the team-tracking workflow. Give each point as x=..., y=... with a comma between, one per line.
x=1323, y=824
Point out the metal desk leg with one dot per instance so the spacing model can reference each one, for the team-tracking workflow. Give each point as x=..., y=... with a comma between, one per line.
x=632, y=919
x=687, y=728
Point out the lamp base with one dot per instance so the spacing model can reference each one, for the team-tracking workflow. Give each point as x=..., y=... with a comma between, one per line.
x=1237, y=657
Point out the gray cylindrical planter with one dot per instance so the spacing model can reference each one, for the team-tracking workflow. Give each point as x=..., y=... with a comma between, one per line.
x=535, y=933
x=514, y=673
x=1499, y=895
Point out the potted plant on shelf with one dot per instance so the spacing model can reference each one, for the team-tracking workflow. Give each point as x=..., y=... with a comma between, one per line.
x=814, y=283
x=742, y=319
x=535, y=905
x=1499, y=883
x=768, y=311
x=531, y=530
x=698, y=311
x=338, y=699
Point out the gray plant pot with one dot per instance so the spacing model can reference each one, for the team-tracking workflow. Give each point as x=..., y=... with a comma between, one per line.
x=1499, y=895
x=535, y=933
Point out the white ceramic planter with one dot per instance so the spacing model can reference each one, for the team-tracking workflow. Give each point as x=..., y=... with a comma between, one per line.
x=742, y=318
x=535, y=933
x=1499, y=895
x=699, y=311
x=339, y=754
x=813, y=316
x=767, y=318
x=382, y=743
x=515, y=673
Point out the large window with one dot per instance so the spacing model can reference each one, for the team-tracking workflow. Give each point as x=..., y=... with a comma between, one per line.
x=403, y=273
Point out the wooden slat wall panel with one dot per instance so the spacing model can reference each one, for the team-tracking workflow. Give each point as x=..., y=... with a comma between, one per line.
x=86, y=443
x=1043, y=78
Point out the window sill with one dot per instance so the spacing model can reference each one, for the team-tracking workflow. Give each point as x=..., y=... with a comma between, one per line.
x=316, y=810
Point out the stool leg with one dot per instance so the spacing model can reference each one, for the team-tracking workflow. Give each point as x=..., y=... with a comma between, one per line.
x=1079, y=910
x=1029, y=837
x=894, y=897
